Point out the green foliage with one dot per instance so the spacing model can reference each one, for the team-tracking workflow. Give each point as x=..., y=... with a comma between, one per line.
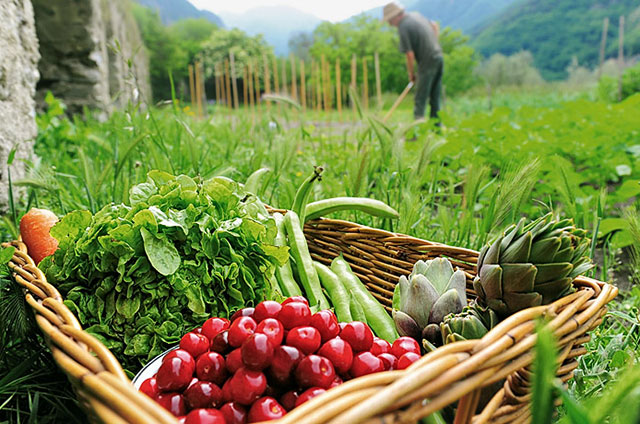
x=170, y=48
x=460, y=59
x=516, y=70
x=608, y=88
x=216, y=49
x=555, y=31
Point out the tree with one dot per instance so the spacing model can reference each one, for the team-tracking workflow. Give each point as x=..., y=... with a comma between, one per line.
x=299, y=44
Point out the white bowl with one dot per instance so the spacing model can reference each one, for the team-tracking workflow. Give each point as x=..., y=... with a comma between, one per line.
x=150, y=369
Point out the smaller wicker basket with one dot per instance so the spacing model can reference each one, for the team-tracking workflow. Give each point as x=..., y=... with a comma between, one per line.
x=455, y=372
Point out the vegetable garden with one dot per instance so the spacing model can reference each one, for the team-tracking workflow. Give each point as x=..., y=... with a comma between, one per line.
x=169, y=221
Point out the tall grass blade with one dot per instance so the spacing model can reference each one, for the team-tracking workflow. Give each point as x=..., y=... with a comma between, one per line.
x=544, y=374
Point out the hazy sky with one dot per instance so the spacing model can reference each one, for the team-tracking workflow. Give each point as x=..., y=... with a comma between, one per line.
x=331, y=10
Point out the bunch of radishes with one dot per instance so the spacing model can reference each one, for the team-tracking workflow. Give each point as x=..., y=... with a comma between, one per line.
x=266, y=361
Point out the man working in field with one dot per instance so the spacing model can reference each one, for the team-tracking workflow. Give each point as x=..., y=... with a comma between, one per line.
x=419, y=41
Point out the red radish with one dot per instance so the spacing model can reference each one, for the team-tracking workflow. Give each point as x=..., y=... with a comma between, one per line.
x=326, y=323
x=294, y=314
x=266, y=409
x=406, y=360
x=210, y=366
x=150, y=387
x=35, y=227
x=380, y=346
x=174, y=375
x=182, y=419
x=220, y=343
x=234, y=413
x=390, y=362
x=358, y=335
x=197, y=330
x=339, y=353
x=203, y=394
x=205, y=416
x=214, y=326
x=266, y=309
x=365, y=363
x=315, y=370
x=172, y=402
x=247, y=386
x=309, y=394
x=244, y=312
x=234, y=361
x=403, y=345
x=285, y=359
x=195, y=344
x=301, y=299
x=240, y=330
x=257, y=352
x=273, y=329
x=288, y=400
x=307, y=339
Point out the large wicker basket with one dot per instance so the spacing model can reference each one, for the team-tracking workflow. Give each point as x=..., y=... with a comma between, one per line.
x=499, y=362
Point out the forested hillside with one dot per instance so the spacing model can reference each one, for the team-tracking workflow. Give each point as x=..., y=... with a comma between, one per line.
x=556, y=30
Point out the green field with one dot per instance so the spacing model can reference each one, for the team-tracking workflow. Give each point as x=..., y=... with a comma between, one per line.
x=496, y=160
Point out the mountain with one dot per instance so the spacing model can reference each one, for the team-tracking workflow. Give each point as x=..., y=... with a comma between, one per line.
x=457, y=14
x=276, y=23
x=556, y=30
x=173, y=10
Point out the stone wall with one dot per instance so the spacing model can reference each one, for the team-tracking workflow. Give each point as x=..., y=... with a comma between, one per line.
x=86, y=46
x=18, y=77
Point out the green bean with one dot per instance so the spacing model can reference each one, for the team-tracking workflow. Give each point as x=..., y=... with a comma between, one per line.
x=303, y=193
x=252, y=185
x=377, y=317
x=284, y=274
x=371, y=206
x=356, y=310
x=300, y=253
x=337, y=293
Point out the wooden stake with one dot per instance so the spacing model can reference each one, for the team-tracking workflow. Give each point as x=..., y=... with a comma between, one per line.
x=365, y=84
x=267, y=83
x=245, y=88
x=620, y=57
x=216, y=70
x=303, y=88
x=318, y=88
x=323, y=77
x=250, y=83
x=294, y=78
x=285, y=89
x=234, y=80
x=328, y=85
x=256, y=78
x=378, y=83
x=196, y=82
x=276, y=78
x=223, y=90
x=603, y=44
x=192, y=87
x=338, y=89
x=354, y=70
x=312, y=81
x=227, y=78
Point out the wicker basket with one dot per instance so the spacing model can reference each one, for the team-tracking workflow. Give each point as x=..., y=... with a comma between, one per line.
x=499, y=362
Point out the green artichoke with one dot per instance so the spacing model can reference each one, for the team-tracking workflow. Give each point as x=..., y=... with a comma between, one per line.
x=472, y=323
x=531, y=264
x=432, y=291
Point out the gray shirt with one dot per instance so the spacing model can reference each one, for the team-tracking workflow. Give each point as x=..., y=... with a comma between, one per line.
x=417, y=35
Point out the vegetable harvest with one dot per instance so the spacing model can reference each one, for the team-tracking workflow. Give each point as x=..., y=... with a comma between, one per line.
x=139, y=276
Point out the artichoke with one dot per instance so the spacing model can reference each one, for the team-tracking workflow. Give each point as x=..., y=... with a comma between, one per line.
x=432, y=291
x=472, y=323
x=531, y=264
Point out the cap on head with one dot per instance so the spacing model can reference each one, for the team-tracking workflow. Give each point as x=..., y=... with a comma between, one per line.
x=390, y=11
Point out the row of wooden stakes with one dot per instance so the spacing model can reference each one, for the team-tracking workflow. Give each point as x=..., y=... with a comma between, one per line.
x=321, y=94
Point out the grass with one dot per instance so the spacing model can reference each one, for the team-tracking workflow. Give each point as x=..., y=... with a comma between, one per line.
x=529, y=153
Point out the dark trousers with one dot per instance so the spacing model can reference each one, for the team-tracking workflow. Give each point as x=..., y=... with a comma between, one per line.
x=429, y=85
